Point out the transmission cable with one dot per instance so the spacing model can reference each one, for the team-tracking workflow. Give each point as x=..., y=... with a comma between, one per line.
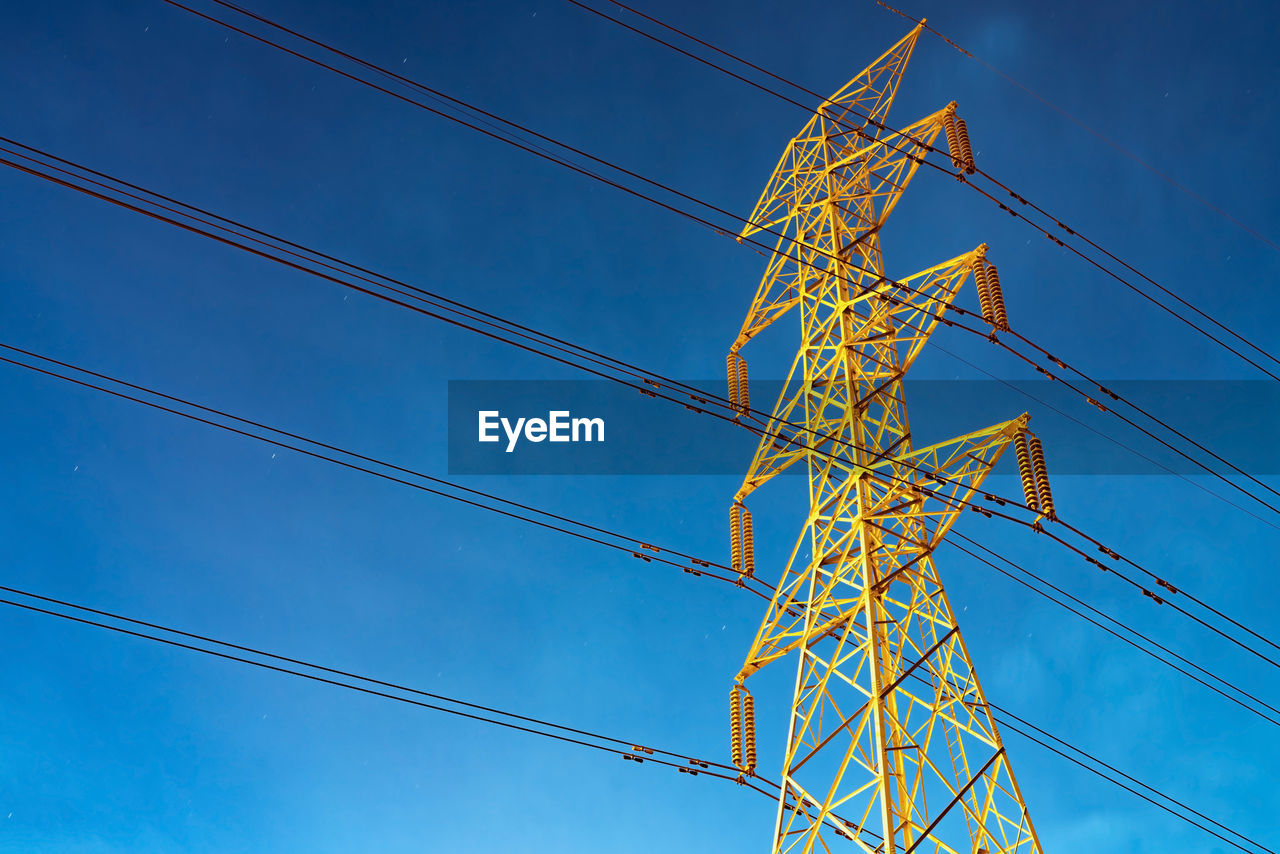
x=1118, y=623
x=634, y=546
x=543, y=153
x=282, y=658
x=933, y=149
x=699, y=567
x=654, y=392
x=630, y=749
x=1108, y=140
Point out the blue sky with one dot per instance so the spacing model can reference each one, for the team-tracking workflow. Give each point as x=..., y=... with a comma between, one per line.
x=114, y=745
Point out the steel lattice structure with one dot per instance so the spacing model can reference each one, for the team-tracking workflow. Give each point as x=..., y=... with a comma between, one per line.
x=891, y=743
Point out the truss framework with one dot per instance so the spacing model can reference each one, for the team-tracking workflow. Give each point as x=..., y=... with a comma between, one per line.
x=889, y=727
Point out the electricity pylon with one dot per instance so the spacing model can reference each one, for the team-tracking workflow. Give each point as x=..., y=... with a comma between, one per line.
x=891, y=743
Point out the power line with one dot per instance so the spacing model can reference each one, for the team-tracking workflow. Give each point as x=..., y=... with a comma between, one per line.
x=634, y=546
x=651, y=387
x=1096, y=766
x=333, y=672
x=1149, y=799
x=629, y=749
x=293, y=264
x=262, y=249
x=700, y=765
x=1115, y=622
x=1113, y=440
x=630, y=173
x=931, y=149
x=542, y=152
x=1079, y=122
x=252, y=662
x=960, y=176
x=298, y=661
x=632, y=749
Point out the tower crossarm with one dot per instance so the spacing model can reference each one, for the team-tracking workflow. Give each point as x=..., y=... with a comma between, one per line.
x=843, y=152
x=855, y=109
x=890, y=316
x=953, y=471
x=808, y=248
x=909, y=522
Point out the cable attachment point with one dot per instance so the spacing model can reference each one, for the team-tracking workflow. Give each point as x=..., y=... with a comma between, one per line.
x=1042, y=478
x=735, y=726
x=999, y=314
x=731, y=369
x=739, y=390
x=742, y=729
x=990, y=295
x=1026, y=473
x=742, y=540
x=958, y=141
x=735, y=537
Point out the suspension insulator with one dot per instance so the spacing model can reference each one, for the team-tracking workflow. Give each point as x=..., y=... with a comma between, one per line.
x=1042, y=478
x=748, y=544
x=966, y=150
x=735, y=536
x=744, y=391
x=984, y=291
x=953, y=138
x=997, y=298
x=1026, y=473
x=731, y=368
x=749, y=731
x=735, y=726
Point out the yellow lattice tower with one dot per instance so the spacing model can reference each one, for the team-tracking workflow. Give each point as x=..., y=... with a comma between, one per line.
x=891, y=743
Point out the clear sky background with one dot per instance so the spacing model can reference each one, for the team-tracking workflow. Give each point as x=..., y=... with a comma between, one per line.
x=109, y=744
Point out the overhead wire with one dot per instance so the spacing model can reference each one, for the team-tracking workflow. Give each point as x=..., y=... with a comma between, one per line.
x=635, y=750
x=1097, y=133
x=542, y=152
x=932, y=149
x=1148, y=798
x=1125, y=627
x=962, y=177
x=1095, y=765
x=1107, y=436
x=630, y=173
x=358, y=689
x=285, y=659
x=634, y=546
x=333, y=671
x=651, y=391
